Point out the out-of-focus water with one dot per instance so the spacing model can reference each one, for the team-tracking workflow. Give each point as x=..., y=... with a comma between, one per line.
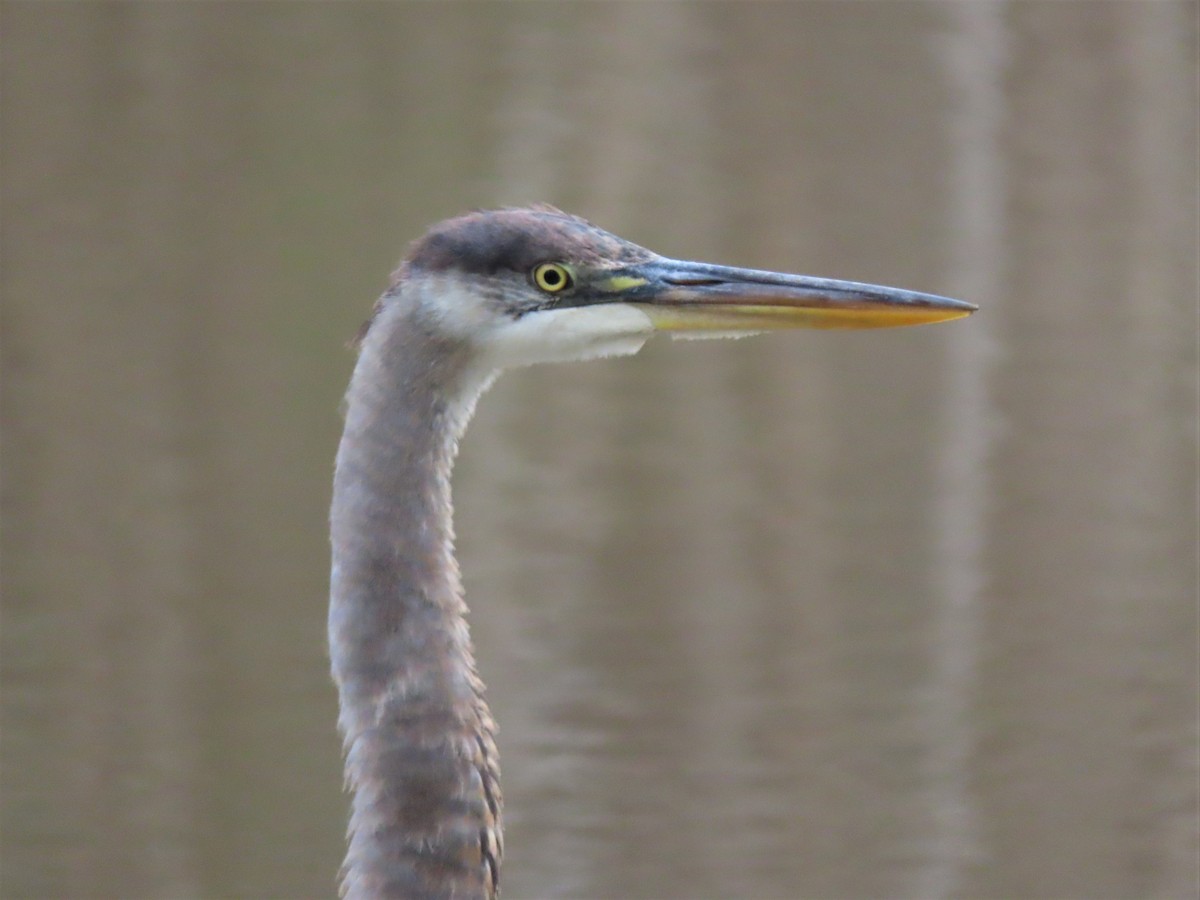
x=896, y=614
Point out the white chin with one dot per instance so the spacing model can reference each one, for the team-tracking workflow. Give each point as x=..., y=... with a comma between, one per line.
x=569, y=334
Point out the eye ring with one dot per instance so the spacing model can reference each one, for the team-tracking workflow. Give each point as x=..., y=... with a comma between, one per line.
x=553, y=278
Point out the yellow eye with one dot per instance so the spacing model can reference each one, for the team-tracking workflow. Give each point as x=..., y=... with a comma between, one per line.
x=552, y=277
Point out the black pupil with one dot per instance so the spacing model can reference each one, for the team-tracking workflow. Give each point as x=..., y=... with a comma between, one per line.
x=552, y=277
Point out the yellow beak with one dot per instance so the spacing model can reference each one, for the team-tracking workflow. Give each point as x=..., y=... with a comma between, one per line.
x=681, y=296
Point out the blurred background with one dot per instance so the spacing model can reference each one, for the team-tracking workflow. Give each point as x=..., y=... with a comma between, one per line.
x=885, y=614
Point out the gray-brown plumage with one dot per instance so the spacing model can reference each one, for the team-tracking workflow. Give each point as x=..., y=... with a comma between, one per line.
x=475, y=295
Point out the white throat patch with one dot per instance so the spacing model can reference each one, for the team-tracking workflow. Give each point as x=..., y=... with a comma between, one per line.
x=568, y=334
x=550, y=335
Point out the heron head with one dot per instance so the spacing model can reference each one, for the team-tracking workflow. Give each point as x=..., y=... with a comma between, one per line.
x=538, y=285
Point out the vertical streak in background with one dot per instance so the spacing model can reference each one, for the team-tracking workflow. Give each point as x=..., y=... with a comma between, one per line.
x=1162, y=283
x=974, y=59
x=530, y=129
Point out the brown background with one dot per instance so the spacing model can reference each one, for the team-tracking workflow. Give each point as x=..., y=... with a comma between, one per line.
x=902, y=614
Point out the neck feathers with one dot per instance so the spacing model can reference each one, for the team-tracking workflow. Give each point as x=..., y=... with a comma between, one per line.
x=420, y=754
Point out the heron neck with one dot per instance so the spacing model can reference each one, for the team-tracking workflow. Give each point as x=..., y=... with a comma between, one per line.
x=420, y=755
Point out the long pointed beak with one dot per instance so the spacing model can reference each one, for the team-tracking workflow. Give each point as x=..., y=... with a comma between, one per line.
x=681, y=296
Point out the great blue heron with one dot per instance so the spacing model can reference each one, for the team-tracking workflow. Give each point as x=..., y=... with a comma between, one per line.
x=475, y=295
